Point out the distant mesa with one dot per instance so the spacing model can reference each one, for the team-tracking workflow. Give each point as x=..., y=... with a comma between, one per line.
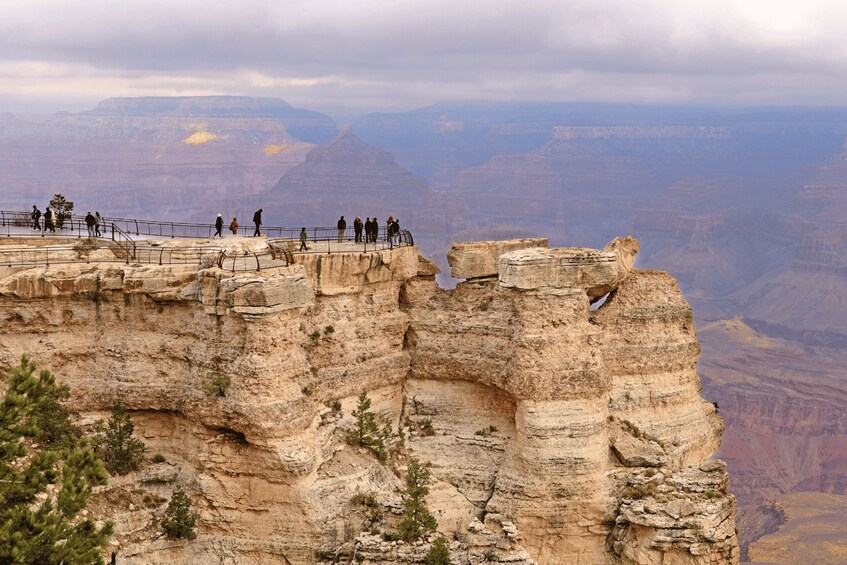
x=313, y=127
x=347, y=174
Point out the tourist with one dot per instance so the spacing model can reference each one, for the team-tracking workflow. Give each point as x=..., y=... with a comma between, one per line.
x=368, y=229
x=303, y=238
x=388, y=223
x=233, y=226
x=89, y=222
x=98, y=221
x=49, y=220
x=257, y=219
x=357, y=229
x=342, y=225
x=36, y=216
x=219, y=226
x=374, y=229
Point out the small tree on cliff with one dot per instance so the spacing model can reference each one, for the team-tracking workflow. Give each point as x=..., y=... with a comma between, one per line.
x=366, y=432
x=179, y=520
x=417, y=519
x=120, y=451
x=62, y=208
x=37, y=525
x=438, y=554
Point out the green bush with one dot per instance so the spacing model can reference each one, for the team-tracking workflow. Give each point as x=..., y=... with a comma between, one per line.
x=179, y=520
x=158, y=458
x=217, y=385
x=438, y=554
x=120, y=451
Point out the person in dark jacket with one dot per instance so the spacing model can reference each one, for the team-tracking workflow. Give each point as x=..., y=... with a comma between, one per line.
x=48, y=220
x=303, y=238
x=219, y=226
x=36, y=216
x=89, y=222
x=357, y=229
x=374, y=229
x=342, y=225
x=368, y=229
x=257, y=219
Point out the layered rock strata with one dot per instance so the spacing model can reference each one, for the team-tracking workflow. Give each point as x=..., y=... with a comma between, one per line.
x=554, y=433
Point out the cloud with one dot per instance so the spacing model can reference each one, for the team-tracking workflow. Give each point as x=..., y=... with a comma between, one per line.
x=390, y=54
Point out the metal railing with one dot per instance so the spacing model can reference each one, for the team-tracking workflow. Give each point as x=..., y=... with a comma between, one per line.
x=283, y=243
x=123, y=243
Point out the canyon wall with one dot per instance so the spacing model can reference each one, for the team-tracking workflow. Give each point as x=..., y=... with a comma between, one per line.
x=555, y=432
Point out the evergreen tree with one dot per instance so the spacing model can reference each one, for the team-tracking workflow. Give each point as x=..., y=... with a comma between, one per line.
x=37, y=527
x=179, y=520
x=438, y=554
x=417, y=519
x=120, y=451
x=366, y=432
x=62, y=208
x=53, y=420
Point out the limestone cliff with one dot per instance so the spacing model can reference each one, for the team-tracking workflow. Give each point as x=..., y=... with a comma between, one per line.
x=555, y=433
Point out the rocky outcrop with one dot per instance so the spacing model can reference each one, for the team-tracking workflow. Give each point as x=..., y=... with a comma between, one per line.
x=554, y=433
x=481, y=259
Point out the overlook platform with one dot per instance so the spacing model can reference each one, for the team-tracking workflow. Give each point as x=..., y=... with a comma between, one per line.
x=155, y=242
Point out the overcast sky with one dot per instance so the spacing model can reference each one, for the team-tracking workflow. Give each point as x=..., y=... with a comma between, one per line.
x=365, y=55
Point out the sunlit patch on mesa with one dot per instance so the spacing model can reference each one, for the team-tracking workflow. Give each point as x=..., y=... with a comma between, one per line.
x=270, y=150
x=200, y=137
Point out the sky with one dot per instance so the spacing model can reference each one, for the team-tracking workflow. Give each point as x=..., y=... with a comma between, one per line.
x=357, y=56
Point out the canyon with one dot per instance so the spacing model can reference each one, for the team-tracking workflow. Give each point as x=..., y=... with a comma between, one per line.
x=555, y=431
x=744, y=207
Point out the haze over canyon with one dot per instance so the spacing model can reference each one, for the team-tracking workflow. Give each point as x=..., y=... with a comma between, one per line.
x=745, y=207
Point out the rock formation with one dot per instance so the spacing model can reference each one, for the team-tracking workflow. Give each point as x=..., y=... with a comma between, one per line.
x=554, y=433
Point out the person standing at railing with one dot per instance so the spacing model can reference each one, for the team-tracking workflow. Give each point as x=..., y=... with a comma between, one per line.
x=49, y=220
x=89, y=223
x=357, y=229
x=388, y=223
x=374, y=229
x=257, y=219
x=233, y=226
x=303, y=239
x=219, y=226
x=36, y=216
x=342, y=225
x=98, y=221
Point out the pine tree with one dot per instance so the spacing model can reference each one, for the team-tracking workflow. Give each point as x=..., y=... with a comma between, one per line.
x=366, y=432
x=438, y=554
x=62, y=208
x=120, y=451
x=35, y=526
x=179, y=520
x=417, y=519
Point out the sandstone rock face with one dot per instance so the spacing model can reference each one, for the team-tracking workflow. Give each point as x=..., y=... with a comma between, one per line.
x=554, y=434
x=481, y=259
x=597, y=272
